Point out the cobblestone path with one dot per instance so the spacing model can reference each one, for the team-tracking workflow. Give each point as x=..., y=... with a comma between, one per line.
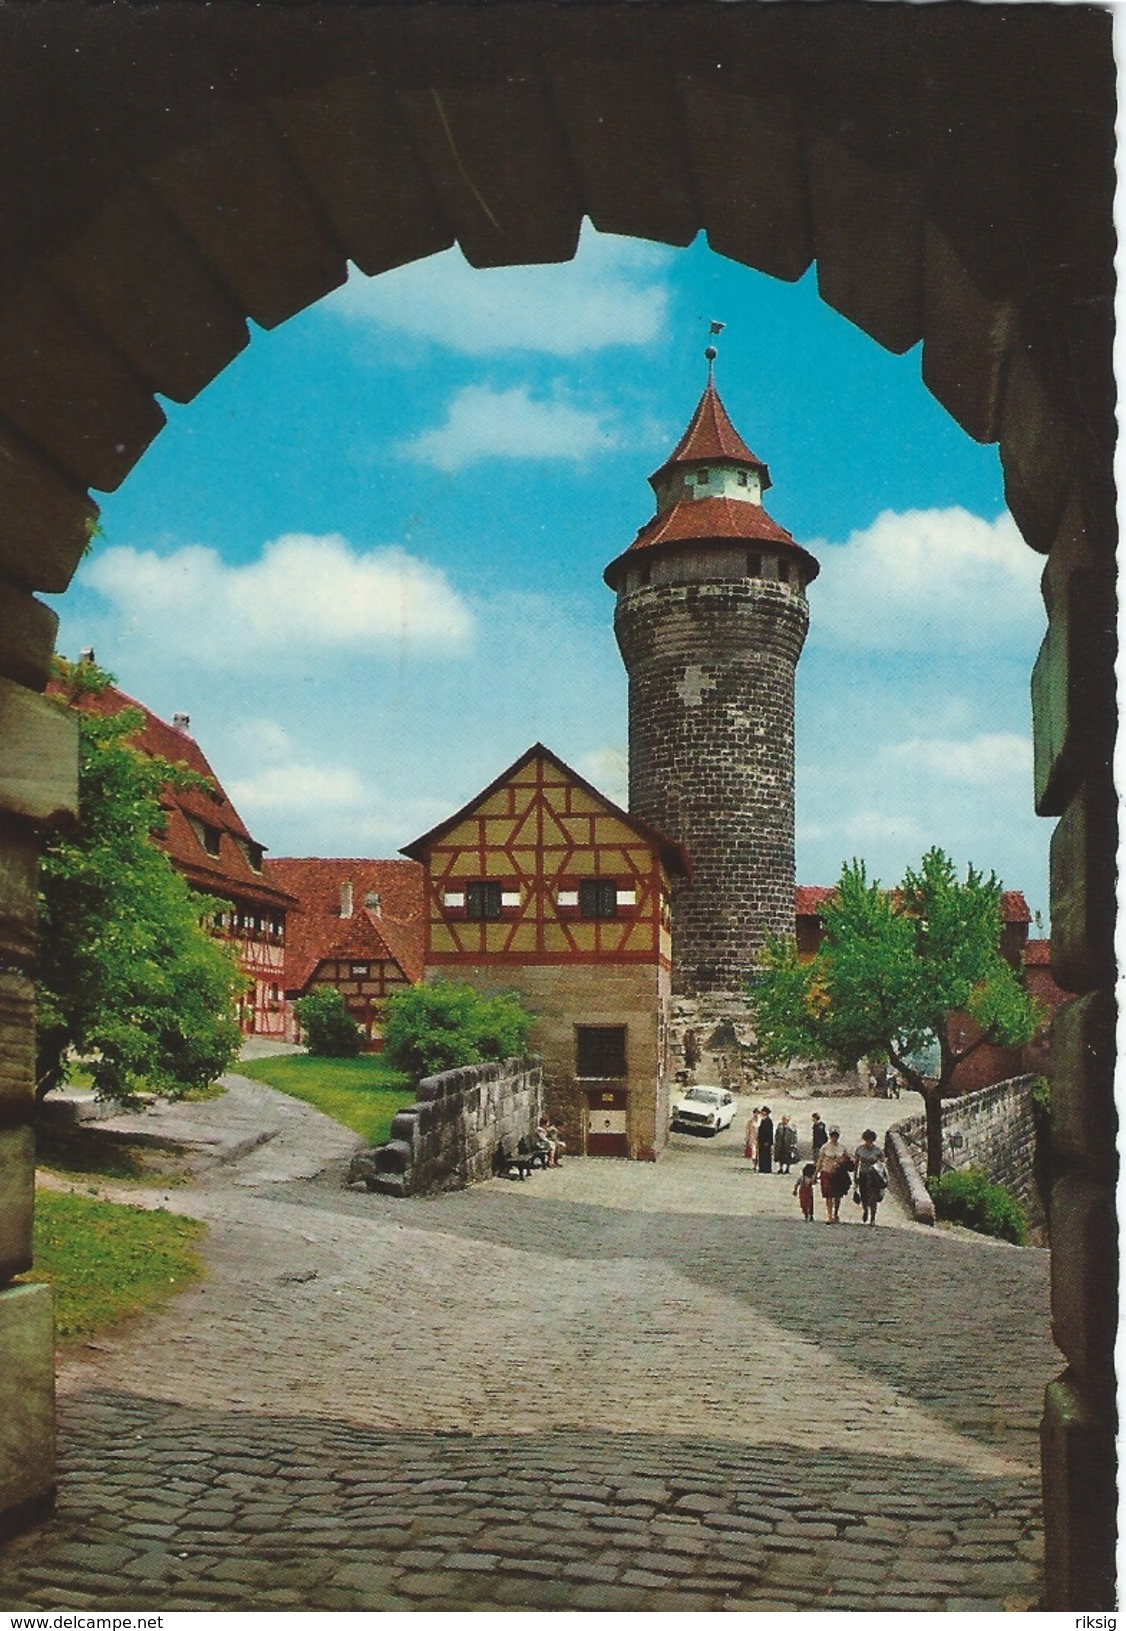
x=515, y=1397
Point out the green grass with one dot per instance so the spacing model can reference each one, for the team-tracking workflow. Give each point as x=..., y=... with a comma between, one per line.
x=362, y=1093
x=108, y=1262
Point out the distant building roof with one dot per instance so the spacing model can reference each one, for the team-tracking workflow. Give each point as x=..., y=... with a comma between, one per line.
x=316, y=931
x=810, y=898
x=236, y=869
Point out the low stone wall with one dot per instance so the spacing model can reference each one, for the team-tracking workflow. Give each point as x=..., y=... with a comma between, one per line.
x=992, y=1129
x=450, y=1137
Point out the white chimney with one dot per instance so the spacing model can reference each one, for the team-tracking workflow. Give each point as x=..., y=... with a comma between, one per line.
x=181, y=722
x=373, y=903
x=346, y=898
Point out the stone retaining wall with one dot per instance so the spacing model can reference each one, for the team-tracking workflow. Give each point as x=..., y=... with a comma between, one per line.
x=992, y=1129
x=450, y=1137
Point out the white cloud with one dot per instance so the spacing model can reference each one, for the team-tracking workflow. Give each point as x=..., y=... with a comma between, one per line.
x=928, y=580
x=607, y=769
x=303, y=595
x=980, y=761
x=483, y=423
x=614, y=292
x=295, y=786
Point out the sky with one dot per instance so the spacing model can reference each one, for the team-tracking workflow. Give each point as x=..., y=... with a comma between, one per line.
x=367, y=560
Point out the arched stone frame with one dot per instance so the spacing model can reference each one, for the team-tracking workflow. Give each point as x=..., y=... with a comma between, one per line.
x=169, y=171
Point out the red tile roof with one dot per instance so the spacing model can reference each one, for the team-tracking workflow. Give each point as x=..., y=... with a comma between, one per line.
x=316, y=931
x=710, y=521
x=809, y=899
x=1037, y=953
x=1014, y=907
x=711, y=435
x=674, y=856
x=229, y=874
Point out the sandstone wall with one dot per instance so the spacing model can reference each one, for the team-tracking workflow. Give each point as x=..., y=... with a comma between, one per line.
x=563, y=996
x=451, y=1136
x=992, y=1129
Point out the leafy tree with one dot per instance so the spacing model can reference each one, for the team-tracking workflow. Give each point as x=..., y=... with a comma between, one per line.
x=330, y=1031
x=893, y=969
x=437, y=1027
x=128, y=979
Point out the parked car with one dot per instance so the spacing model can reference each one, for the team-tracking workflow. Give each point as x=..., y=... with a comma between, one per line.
x=703, y=1109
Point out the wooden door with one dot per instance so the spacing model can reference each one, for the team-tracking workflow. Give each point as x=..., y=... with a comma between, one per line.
x=606, y=1121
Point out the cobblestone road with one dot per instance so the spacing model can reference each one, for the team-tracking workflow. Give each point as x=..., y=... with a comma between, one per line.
x=524, y=1396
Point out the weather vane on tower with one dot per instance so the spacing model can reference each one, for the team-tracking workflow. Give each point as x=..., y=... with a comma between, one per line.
x=710, y=352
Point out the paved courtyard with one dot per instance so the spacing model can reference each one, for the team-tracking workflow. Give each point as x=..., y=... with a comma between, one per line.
x=613, y=1386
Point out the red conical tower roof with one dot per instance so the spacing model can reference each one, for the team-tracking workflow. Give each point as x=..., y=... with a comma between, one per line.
x=706, y=494
x=711, y=435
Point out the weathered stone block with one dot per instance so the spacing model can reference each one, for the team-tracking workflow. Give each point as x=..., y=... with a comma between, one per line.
x=1077, y=1435
x=1085, y=1275
x=27, y=1421
x=19, y=872
x=17, y=1048
x=47, y=520
x=1073, y=708
x=39, y=770
x=1083, y=887
x=27, y=637
x=17, y=1199
x=1084, y=1114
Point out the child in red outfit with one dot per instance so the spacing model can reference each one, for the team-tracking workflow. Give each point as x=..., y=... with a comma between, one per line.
x=803, y=1189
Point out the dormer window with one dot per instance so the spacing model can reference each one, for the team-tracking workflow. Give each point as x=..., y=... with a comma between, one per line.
x=741, y=477
x=252, y=853
x=208, y=836
x=702, y=478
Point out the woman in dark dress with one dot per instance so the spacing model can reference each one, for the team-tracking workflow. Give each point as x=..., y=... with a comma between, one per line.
x=765, y=1141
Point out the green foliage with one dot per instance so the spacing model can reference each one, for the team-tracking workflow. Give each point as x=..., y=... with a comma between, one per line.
x=968, y=1197
x=129, y=979
x=432, y=1028
x=330, y=1031
x=108, y=1262
x=892, y=967
x=364, y=1094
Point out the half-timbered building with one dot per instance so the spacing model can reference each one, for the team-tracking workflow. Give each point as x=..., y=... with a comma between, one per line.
x=358, y=926
x=543, y=886
x=209, y=844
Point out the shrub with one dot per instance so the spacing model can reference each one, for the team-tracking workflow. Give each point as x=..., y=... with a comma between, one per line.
x=968, y=1197
x=432, y=1028
x=330, y=1031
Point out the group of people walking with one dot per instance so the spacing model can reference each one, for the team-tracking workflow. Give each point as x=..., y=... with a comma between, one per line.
x=833, y=1169
x=765, y=1144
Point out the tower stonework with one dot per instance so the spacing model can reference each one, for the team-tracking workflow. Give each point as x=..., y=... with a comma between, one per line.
x=710, y=619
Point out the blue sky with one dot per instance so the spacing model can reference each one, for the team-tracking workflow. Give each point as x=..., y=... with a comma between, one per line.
x=367, y=560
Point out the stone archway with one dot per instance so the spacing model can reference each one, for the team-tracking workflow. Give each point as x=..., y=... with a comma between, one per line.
x=170, y=172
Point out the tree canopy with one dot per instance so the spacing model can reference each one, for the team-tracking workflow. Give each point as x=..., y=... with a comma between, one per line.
x=432, y=1028
x=129, y=979
x=893, y=970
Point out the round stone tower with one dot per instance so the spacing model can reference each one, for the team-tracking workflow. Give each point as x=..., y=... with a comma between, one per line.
x=711, y=616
